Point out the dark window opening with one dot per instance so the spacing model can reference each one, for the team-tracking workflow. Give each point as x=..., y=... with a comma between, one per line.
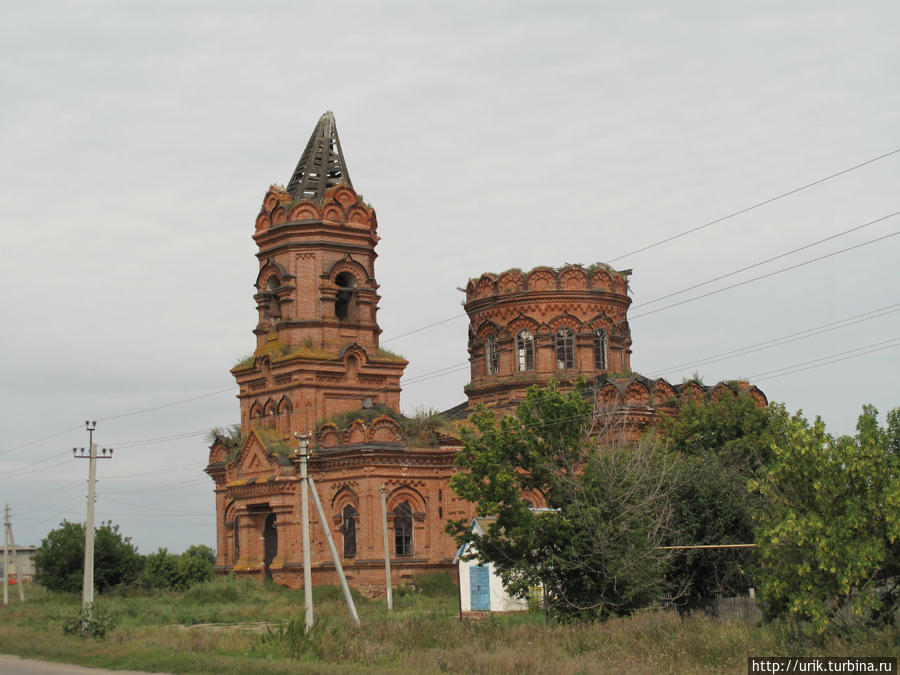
x=565, y=349
x=270, y=544
x=273, y=304
x=348, y=529
x=237, y=539
x=403, y=529
x=346, y=288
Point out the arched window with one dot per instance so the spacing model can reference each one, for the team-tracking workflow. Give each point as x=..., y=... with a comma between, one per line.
x=270, y=544
x=601, y=350
x=348, y=529
x=403, y=530
x=565, y=349
x=491, y=355
x=346, y=288
x=273, y=306
x=524, y=350
x=237, y=538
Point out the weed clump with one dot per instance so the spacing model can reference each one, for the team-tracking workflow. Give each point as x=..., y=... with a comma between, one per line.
x=92, y=621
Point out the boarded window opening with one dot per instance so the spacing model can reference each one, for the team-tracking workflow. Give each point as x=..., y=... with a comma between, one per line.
x=525, y=350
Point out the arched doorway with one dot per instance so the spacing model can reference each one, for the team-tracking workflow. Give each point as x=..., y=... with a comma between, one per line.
x=270, y=544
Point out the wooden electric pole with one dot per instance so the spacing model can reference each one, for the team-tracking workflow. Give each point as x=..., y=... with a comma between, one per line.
x=87, y=586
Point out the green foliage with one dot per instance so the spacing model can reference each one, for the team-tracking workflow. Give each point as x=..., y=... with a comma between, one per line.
x=830, y=540
x=245, y=361
x=722, y=444
x=344, y=420
x=59, y=561
x=164, y=570
x=382, y=354
x=424, y=424
x=230, y=436
x=421, y=635
x=201, y=552
x=116, y=560
x=437, y=584
x=160, y=570
x=291, y=638
x=595, y=548
x=92, y=621
x=273, y=442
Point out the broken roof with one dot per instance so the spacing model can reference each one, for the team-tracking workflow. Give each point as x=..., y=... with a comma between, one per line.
x=321, y=165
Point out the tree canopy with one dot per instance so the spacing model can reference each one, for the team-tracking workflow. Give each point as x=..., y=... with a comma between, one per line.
x=59, y=561
x=593, y=545
x=829, y=542
x=721, y=445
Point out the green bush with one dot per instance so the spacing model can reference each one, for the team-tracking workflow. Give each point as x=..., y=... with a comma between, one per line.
x=92, y=621
x=160, y=570
x=178, y=572
x=59, y=561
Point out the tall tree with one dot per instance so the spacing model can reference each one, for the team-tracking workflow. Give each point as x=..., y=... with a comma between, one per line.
x=59, y=561
x=830, y=542
x=723, y=444
x=594, y=548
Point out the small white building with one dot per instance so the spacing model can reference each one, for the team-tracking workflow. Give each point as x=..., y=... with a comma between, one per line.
x=480, y=588
x=21, y=563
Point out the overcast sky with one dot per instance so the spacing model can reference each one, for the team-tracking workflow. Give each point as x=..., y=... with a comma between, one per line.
x=138, y=139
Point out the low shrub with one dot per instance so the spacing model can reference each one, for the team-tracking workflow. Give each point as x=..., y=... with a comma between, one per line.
x=92, y=621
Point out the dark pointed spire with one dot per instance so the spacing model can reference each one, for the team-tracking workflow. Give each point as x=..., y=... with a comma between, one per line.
x=321, y=165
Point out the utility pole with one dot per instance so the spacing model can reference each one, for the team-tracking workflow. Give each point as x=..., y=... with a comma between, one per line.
x=6, y=556
x=304, y=516
x=387, y=550
x=307, y=484
x=12, y=542
x=87, y=587
x=334, y=554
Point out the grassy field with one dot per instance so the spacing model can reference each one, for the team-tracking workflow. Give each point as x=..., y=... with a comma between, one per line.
x=232, y=626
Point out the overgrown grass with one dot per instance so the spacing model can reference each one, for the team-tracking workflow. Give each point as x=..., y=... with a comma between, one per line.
x=259, y=628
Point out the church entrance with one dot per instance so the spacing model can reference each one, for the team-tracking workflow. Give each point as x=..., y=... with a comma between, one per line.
x=270, y=544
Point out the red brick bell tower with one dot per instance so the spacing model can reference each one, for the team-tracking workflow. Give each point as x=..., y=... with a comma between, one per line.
x=317, y=347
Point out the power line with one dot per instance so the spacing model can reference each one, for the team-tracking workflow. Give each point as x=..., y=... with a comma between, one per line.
x=41, y=440
x=827, y=360
x=167, y=405
x=766, y=276
x=158, y=439
x=785, y=339
x=754, y=206
x=423, y=328
x=155, y=508
x=459, y=316
x=173, y=469
x=768, y=260
x=35, y=464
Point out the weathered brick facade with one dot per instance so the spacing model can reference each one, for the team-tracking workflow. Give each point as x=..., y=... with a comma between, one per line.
x=317, y=356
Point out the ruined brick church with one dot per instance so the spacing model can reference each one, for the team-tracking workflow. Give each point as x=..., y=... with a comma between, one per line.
x=317, y=361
